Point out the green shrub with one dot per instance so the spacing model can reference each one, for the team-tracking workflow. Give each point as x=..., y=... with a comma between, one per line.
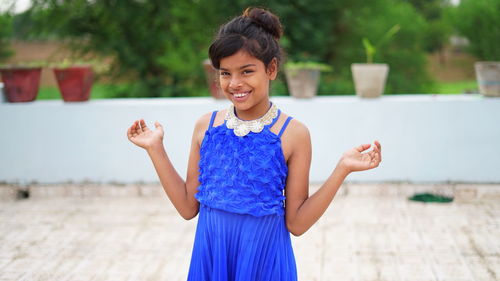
x=157, y=47
x=404, y=53
x=479, y=22
x=5, y=33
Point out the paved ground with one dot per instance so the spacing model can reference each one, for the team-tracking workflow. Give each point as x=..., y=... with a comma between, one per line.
x=374, y=236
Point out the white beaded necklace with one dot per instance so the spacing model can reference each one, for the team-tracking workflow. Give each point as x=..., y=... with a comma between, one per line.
x=242, y=127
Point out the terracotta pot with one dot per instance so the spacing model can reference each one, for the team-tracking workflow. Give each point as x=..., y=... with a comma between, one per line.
x=369, y=79
x=488, y=77
x=212, y=80
x=302, y=83
x=74, y=82
x=21, y=84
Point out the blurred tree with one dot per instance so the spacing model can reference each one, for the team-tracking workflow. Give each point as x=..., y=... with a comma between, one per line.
x=161, y=43
x=158, y=43
x=479, y=22
x=404, y=53
x=438, y=29
x=5, y=33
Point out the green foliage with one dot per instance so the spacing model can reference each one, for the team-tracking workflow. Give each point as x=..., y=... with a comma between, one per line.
x=308, y=65
x=405, y=54
x=5, y=33
x=460, y=87
x=438, y=30
x=157, y=47
x=159, y=44
x=98, y=91
x=371, y=49
x=479, y=22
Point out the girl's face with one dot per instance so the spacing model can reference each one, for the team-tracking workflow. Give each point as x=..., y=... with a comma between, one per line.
x=244, y=80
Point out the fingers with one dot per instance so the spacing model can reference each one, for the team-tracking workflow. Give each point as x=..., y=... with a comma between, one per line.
x=363, y=147
x=139, y=126
x=377, y=154
x=379, y=150
x=129, y=132
x=134, y=130
x=143, y=125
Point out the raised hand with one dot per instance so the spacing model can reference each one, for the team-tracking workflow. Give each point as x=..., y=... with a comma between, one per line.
x=142, y=136
x=355, y=160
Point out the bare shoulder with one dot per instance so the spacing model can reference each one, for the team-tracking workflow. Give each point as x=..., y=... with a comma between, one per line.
x=297, y=131
x=203, y=121
x=201, y=126
x=295, y=138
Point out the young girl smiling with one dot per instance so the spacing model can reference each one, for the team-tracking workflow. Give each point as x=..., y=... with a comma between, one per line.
x=248, y=170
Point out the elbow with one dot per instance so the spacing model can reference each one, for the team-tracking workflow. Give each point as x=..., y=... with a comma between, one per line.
x=294, y=230
x=190, y=214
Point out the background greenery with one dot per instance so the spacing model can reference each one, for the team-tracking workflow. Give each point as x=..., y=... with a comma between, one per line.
x=155, y=47
x=479, y=22
x=5, y=33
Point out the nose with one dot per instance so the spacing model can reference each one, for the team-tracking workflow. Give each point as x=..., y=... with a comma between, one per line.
x=235, y=82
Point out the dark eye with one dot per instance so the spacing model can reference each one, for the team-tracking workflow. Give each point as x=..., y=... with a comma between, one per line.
x=224, y=73
x=247, y=71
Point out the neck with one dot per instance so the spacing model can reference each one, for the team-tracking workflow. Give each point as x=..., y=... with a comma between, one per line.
x=255, y=111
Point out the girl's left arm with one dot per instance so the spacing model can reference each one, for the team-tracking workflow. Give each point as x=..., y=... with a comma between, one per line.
x=302, y=210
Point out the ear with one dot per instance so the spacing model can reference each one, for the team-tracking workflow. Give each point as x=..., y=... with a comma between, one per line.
x=272, y=69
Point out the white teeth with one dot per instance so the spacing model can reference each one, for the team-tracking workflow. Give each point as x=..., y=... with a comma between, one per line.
x=240, y=95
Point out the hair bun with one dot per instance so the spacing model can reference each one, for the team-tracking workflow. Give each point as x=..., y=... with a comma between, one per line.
x=266, y=20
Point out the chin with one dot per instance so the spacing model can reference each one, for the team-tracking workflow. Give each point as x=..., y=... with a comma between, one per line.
x=242, y=106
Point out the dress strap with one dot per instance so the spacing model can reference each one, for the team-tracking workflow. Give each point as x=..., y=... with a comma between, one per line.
x=275, y=119
x=284, y=126
x=212, y=119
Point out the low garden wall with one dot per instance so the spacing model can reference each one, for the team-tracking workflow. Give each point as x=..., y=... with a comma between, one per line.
x=425, y=138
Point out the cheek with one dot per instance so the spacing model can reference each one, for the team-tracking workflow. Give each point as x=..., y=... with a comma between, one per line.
x=223, y=82
x=261, y=82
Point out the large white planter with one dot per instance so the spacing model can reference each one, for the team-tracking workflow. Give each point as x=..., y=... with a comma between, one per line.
x=2, y=96
x=302, y=83
x=369, y=79
x=488, y=77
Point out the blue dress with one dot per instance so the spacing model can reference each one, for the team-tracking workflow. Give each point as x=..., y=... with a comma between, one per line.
x=241, y=233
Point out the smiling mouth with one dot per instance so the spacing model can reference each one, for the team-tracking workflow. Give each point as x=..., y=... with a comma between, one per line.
x=241, y=94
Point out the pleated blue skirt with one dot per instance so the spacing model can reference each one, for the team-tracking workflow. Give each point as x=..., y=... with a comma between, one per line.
x=241, y=247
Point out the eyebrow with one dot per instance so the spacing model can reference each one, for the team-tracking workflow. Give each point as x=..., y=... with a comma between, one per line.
x=241, y=67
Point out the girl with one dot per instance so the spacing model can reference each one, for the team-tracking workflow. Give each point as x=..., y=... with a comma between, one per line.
x=248, y=171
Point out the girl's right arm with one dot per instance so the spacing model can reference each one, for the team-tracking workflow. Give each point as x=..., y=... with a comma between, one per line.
x=180, y=192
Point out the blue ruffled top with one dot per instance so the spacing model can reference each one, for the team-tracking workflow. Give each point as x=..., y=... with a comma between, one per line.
x=244, y=175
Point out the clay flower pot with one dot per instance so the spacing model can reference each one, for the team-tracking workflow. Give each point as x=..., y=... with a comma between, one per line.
x=21, y=84
x=74, y=82
x=369, y=79
x=302, y=78
x=302, y=83
x=212, y=80
x=488, y=78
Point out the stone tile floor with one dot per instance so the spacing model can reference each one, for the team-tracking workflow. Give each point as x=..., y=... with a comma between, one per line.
x=362, y=236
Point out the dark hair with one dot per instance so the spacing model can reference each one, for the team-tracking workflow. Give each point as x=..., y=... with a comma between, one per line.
x=257, y=31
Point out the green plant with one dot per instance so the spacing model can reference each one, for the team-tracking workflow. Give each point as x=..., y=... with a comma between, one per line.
x=308, y=65
x=371, y=49
x=28, y=64
x=98, y=66
x=405, y=53
x=145, y=41
x=479, y=22
x=5, y=33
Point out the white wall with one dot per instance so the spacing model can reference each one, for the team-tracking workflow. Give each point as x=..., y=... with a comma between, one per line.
x=425, y=138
